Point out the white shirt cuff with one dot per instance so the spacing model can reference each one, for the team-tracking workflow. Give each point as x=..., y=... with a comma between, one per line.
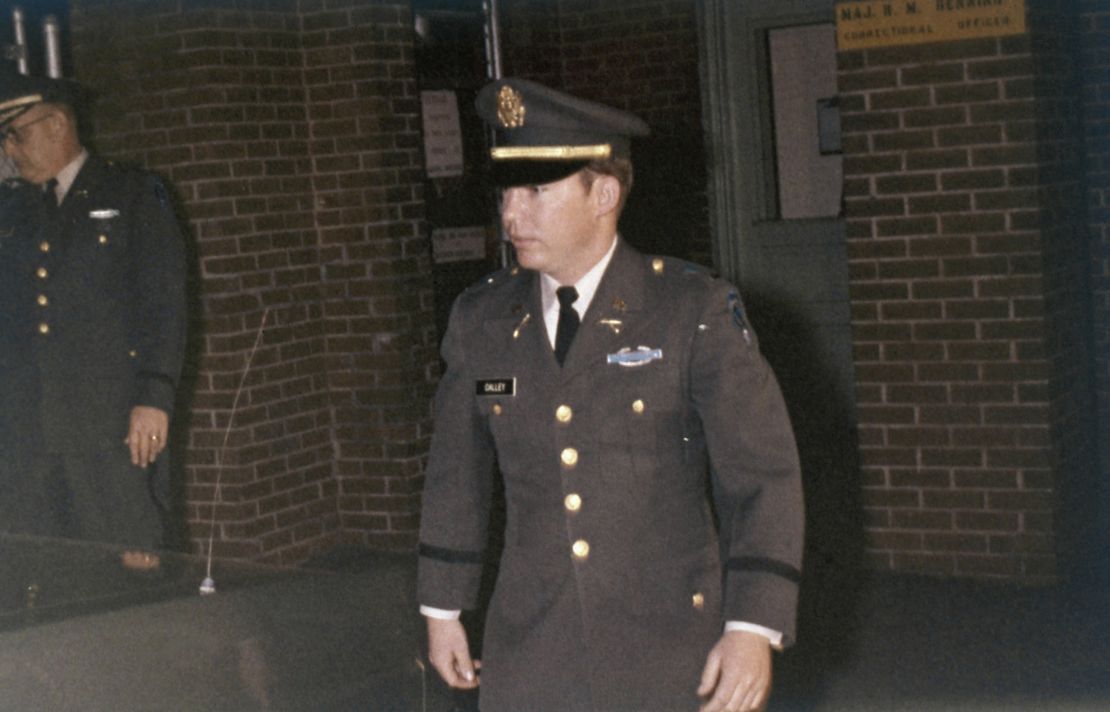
x=774, y=636
x=439, y=613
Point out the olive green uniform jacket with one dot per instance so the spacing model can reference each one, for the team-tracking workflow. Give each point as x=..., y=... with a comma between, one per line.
x=94, y=313
x=665, y=419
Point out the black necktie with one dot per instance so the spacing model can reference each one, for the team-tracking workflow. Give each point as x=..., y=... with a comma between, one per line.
x=568, y=322
x=50, y=196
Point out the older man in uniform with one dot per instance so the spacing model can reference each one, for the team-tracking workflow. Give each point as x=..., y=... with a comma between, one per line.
x=654, y=510
x=92, y=258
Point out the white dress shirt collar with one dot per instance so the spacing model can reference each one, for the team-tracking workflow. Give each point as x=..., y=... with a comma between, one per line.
x=67, y=175
x=586, y=286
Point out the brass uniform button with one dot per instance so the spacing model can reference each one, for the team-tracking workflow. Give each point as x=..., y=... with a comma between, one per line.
x=573, y=502
x=103, y=239
x=41, y=273
x=698, y=599
x=637, y=406
x=581, y=549
x=497, y=409
x=564, y=413
x=44, y=246
x=657, y=265
x=44, y=328
x=132, y=353
x=569, y=457
x=41, y=300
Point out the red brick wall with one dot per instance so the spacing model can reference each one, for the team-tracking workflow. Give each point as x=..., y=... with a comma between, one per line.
x=957, y=202
x=291, y=132
x=380, y=345
x=290, y=129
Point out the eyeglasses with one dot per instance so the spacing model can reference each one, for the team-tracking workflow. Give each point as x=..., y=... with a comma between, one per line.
x=16, y=133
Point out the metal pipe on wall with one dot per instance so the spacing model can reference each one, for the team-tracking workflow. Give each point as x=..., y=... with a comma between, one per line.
x=493, y=70
x=51, y=38
x=18, y=50
x=493, y=39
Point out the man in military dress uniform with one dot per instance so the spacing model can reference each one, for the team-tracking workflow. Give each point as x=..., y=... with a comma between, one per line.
x=92, y=261
x=654, y=509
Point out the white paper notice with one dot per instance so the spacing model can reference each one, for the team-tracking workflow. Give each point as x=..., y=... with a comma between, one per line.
x=443, y=152
x=458, y=244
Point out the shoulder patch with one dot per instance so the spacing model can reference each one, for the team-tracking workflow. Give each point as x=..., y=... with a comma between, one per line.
x=738, y=317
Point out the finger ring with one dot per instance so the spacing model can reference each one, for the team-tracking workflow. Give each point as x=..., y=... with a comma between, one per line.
x=154, y=438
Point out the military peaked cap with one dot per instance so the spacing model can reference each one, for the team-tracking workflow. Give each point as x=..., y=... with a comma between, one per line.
x=18, y=93
x=544, y=135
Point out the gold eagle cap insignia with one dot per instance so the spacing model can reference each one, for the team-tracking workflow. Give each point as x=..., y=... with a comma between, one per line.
x=510, y=108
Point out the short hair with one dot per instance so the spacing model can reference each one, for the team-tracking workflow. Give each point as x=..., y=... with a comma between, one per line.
x=619, y=168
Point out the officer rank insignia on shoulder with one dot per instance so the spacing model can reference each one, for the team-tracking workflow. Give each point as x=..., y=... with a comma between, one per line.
x=660, y=266
x=497, y=277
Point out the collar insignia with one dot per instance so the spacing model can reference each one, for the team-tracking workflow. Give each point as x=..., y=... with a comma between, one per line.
x=614, y=324
x=521, y=325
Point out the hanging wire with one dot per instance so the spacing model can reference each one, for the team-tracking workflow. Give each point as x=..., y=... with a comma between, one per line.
x=208, y=585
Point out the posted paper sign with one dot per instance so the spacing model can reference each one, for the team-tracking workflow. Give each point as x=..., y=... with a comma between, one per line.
x=443, y=152
x=458, y=244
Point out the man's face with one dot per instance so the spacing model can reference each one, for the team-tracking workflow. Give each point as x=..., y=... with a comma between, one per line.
x=32, y=144
x=552, y=227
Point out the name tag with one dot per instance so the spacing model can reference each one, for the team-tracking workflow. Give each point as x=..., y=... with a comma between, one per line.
x=497, y=387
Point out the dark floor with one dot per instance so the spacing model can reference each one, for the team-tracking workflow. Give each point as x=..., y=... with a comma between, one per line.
x=81, y=633
x=899, y=643
x=928, y=644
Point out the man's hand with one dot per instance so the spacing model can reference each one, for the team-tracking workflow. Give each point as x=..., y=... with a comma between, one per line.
x=450, y=655
x=737, y=674
x=147, y=434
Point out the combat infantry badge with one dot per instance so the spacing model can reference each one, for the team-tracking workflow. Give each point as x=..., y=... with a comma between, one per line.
x=630, y=358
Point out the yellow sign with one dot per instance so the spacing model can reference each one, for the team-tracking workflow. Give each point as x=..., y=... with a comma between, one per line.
x=883, y=23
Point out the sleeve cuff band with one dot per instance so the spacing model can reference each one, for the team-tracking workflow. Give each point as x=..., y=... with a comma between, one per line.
x=765, y=565
x=451, y=556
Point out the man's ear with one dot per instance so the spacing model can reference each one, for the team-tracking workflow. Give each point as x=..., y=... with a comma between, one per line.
x=607, y=191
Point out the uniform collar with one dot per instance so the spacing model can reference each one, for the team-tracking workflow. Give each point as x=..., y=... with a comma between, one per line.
x=586, y=286
x=67, y=175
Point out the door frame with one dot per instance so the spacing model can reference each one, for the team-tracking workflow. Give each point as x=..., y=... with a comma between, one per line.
x=733, y=64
